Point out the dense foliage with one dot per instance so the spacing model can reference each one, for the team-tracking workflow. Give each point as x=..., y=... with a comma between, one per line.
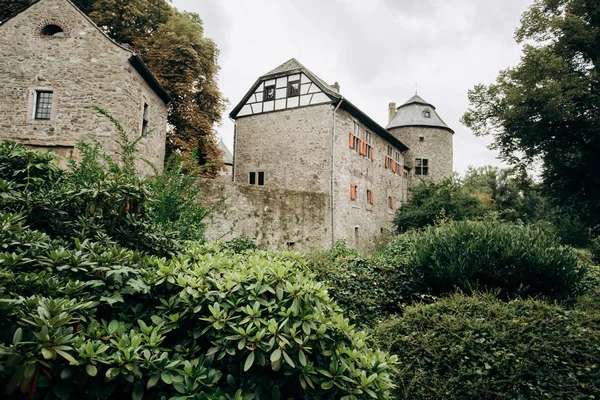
x=173, y=45
x=431, y=201
x=507, y=259
x=546, y=107
x=100, y=198
x=369, y=288
x=83, y=319
x=87, y=309
x=482, y=348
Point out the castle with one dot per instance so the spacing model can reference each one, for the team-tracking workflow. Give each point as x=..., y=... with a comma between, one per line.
x=300, y=146
x=56, y=63
x=309, y=167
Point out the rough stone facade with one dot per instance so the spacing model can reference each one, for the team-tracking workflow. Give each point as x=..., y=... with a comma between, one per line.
x=81, y=68
x=292, y=147
x=361, y=224
x=296, y=134
x=433, y=144
x=274, y=218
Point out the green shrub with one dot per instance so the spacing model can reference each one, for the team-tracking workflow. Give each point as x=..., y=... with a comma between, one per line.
x=103, y=199
x=177, y=204
x=239, y=244
x=507, y=259
x=369, y=288
x=87, y=320
x=482, y=348
x=431, y=201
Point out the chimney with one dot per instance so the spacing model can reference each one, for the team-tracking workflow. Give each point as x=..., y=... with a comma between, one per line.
x=336, y=87
x=391, y=111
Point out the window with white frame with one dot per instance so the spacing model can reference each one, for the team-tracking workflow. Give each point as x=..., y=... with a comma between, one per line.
x=362, y=138
x=42, y=108
x=421, y=166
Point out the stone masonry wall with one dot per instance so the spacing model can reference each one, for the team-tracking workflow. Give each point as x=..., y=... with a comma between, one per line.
x=83, y=68
x=436, y=147
x=361, y=224
x=292, y=147
x=274, y=218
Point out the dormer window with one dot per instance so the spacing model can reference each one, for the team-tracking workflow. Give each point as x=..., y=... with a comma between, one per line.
x=427, y=114
x=269, y=93
x=53, y=31
x=293, y=89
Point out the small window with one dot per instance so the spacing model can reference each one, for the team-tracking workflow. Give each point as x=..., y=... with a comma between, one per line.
x=53, y=31
x=43, y=104
x=390, y=202
x=421, y=166
x=421, y=138
x=352, y=192
x=427, y=114
x=370, y=196
x=145, y=119
x=256, y=178
x=269, y=93
x=293, y=89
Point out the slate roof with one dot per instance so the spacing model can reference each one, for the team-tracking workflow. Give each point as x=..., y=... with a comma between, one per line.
x=292, y=66
x=227, y=156
x=412, y=113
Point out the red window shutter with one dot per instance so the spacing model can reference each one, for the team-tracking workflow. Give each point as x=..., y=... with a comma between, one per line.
x=351, y=140
x=352, y=192
x=387, y=162
x=371, y=197
x=393, y=166
x=391, y=201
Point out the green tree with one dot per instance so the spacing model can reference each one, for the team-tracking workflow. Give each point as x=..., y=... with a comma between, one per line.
x=547, y=107
x=431, y=201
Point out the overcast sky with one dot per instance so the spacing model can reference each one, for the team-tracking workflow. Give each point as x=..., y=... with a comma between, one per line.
x=376, y=49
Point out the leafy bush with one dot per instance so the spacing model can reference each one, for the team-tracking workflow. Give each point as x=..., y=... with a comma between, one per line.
x=508, y=259
x=103, y=199
x=431, y=201
x=482, y=348
x=369, y=288
x=82, y=319
x=239, y=244
x=177, y=198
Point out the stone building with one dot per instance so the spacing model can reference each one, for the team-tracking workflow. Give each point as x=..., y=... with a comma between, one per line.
x=297, y=134
x=429, y=139
x=55, y=64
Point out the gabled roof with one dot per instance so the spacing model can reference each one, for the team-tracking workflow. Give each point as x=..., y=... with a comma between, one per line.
x=412, y=113
x=136, y=61
x=292, y=66
x=227, y=156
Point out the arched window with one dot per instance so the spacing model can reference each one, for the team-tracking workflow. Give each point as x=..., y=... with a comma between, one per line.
x=427, y=114
x=53, y=31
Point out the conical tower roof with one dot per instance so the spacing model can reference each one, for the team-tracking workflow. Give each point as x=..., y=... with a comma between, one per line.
x=417, y=112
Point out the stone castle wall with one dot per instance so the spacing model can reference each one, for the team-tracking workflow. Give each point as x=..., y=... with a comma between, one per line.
x=274, y=218
x=436, y=147
x=83, y=68
x=361, y=224
x=292, y=147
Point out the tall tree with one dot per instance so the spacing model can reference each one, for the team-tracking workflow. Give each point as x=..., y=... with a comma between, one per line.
x=173, y=45
x=548, y=107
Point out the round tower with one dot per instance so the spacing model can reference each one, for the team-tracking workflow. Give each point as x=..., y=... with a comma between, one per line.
x=417, y=125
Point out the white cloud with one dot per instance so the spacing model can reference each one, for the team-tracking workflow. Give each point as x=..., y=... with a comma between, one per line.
x=376, y=50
